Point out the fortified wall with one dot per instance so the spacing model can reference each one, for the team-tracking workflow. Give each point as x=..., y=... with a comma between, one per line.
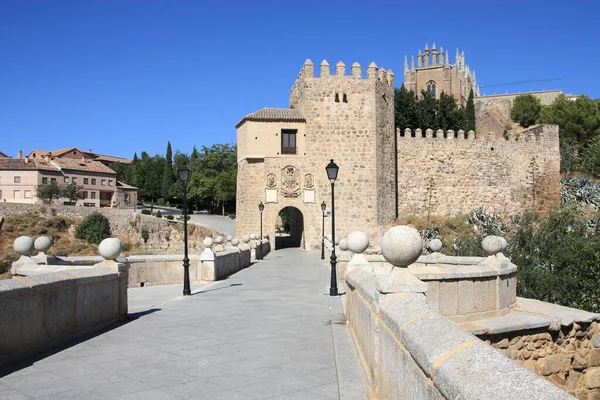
x=446, y=173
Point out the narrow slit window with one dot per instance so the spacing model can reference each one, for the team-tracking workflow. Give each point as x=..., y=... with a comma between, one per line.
x=337, y=97
x=345, y=98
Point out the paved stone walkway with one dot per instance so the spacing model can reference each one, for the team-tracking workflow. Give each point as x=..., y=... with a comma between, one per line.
x=266, y=332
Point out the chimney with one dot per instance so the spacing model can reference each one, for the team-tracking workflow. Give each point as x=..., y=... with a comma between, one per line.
x=26, y=159
x=47, y=157
x=20, y=154
x=83, y=159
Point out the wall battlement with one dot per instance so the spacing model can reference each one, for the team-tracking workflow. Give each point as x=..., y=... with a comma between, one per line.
x=537, y=133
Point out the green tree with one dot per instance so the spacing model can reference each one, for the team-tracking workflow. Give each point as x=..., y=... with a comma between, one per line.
x=469, y=113
x=448, y=114
x=526, y=110
x=94, y=228
x=167, y=182
x=426, y=110
x=48, y=192
x=590, y=158
x=568, y=158
x=578, y=120
x=405, y=109
x=73, y=192
x=121, y=170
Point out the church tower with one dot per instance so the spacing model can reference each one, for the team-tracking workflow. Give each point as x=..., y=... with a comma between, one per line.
x=434, y=73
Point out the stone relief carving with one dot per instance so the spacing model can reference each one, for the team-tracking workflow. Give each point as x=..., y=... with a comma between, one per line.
x=271, y=181
x=309, y=181
x=290, y=182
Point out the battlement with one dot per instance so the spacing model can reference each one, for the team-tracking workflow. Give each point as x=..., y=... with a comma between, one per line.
x=536, y=133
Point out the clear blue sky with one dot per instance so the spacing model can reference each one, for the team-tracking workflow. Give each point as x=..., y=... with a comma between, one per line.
x=120, y=76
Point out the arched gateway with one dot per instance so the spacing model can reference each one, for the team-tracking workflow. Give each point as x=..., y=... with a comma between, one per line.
x=289, y=228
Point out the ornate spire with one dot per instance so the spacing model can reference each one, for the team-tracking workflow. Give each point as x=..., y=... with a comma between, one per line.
x=447, y=60
x=412, y=63
x=426, y=46
x=433, y=47
x=405, y=64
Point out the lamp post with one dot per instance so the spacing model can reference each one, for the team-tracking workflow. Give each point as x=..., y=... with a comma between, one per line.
x=261, y=208
x=185, y=173
x=323, y=207
x=332, y=173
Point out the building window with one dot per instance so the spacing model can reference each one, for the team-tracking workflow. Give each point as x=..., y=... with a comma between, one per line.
x=0, y=194
x=431, y=88
x=345, y=98
x=93, y=195
x=85, y=194
x=73, y=180
x=44, y=180
x=27, y=194
x=288, y=141
x=126, y=197
x=53, y=180
x=337, y=97
x=66, y=179
x=93, y=181
x=17, y=194
x=17, y=179
x=103, y=182
x=85, y=181
x=110, y=182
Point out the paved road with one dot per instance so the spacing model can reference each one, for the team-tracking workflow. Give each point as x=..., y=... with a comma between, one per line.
x=217, y=222
x=268, y=332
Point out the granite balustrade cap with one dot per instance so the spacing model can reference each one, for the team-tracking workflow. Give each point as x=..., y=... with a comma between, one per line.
x=218, y=240
x=435, y=245
x=401, y=245
x=358, y=242
x=110, y=248
x=23, y=245
x=229, y=238
x=492, y=244
x=235, y=241
x=207, y=242
x=246, y=238
x=344, y=244
x=252, y=236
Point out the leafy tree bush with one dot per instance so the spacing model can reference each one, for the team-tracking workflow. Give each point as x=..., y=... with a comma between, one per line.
x=558, y=259
x=577, y=191
x=160, y=202
x=145, y=211
x=169, y=217
x=526, y=110
x=94, y=228
x=158, y=214
x=470, y=113
x=73, y=192
x=48, y=192
x=590, y=158
x=579, y=120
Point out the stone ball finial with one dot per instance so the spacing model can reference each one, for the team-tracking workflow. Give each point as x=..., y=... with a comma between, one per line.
x=344, y=244
x=228, y=238
x=492, y=244
x=337, y=241
x=110, y=248
x=358, y=242
x=252, y=236
x=208, y=242
x=435, y=245
x=218, y=240
x=42, y=243
x=504, y=243
x=235, y=241
x=246, y=238
x=401, y=245
x=23, y=245
x=328, y=237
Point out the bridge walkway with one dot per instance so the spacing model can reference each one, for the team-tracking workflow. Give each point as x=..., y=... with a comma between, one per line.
x=267, y=332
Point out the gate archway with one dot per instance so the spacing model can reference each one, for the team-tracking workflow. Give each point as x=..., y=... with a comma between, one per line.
x=289, y=229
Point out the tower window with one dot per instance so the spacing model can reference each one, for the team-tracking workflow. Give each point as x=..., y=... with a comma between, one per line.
x=431, y=88
x=345, y=98
x=337, y=97
x=288, y=141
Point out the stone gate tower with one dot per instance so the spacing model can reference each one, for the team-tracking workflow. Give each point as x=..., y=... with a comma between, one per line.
x=282, y=154
x=435, y=74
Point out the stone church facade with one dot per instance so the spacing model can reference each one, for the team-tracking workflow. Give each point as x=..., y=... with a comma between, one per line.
x=384, y=173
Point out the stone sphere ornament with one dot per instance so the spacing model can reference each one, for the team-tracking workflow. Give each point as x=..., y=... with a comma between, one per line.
x=504, y=242
x=358, y=242
x=246, y=238
x=110, y=248
x=401, y=245
x=23, y=245
x=218, y=240
x=228, y=238
x=435, y=245
x=207, y=243
x=252, y=236
x=337, y=241
x=492, y=244
x=43, y=243
x=344, y=244
x=235, y=241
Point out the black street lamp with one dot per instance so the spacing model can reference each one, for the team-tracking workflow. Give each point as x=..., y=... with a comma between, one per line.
x=332, y=173
x=323, y=207
x=261, y=208
x=185, y=173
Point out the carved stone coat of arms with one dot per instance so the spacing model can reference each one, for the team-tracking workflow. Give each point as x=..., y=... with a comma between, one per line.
x=290, y=182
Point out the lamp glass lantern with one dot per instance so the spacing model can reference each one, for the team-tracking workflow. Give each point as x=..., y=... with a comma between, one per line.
x=184, y=173
x=323, y=206
x=332, y=171
x=261, y=207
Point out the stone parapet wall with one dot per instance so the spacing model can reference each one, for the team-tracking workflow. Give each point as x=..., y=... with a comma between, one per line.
x=460, y=175
x=41, y=311
x=411, y=352
x=165, y=237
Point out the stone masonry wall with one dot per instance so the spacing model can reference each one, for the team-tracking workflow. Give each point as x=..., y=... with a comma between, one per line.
x=569, y=358
x=165, y=237
x=501, y=175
